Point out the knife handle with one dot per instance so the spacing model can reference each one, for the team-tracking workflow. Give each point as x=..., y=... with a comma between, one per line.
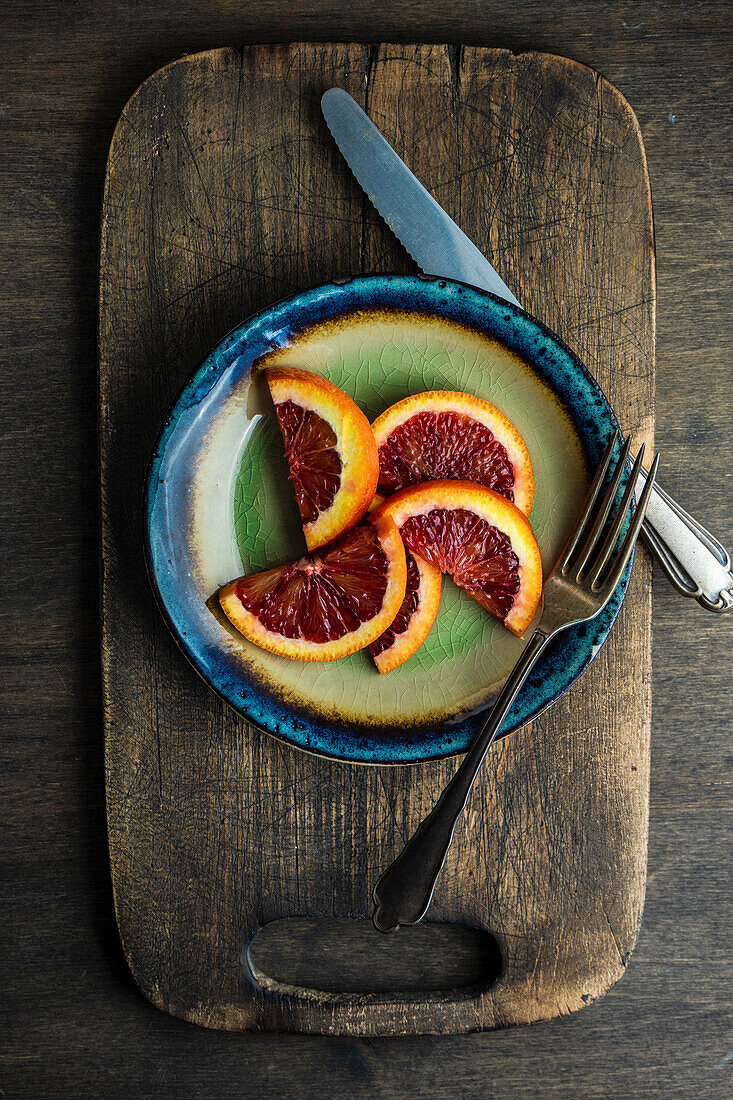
x=694, y=561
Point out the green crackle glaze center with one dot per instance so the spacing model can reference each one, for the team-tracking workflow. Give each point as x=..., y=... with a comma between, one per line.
x=378, y=359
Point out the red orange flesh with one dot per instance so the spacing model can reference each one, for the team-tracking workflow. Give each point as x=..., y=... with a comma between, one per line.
x=328, y=605
x=446, y=434
x=414, y=620
x=477, y=536
x=331, y=452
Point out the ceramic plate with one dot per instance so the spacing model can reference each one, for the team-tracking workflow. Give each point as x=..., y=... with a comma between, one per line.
x=219, y=504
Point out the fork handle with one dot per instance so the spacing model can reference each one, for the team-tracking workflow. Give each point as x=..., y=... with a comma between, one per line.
x=405, y=890
x=695, y=562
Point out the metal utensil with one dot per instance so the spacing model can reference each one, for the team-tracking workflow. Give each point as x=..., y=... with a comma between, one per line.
x=578, y=588
x=694, y=561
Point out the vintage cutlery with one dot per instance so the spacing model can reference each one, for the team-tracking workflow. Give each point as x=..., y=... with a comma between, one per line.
x=693, y=560
x=578, y=588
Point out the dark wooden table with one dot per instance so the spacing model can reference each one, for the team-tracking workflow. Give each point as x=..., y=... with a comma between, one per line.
x=74, y=1024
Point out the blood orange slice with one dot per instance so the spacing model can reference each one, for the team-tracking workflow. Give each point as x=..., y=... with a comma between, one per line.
x=415, y=618
x=324, y=606
x=477, y=536
x=418, y=612
x=330, y=448
x=444, y=434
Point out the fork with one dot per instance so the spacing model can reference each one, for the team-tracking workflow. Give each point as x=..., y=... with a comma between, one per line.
x=578, y=588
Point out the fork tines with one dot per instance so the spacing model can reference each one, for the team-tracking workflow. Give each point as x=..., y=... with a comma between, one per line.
x=588, y=565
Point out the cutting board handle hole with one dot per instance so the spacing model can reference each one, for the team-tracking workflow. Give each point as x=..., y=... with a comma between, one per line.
x=322, y=955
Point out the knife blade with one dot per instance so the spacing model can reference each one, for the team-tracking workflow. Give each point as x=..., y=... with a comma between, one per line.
x=694, y=561
x=433, y=239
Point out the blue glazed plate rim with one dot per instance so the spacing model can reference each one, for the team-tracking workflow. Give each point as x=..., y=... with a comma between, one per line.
x=412, y=746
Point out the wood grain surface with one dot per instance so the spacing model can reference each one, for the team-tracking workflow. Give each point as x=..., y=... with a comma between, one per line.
x=225, y=193
x=73, y=1022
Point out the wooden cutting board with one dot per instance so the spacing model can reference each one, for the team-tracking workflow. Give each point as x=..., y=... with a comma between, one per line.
x=224, y=193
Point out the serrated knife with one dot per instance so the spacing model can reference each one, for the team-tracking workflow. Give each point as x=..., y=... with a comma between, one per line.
x=693, y=560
